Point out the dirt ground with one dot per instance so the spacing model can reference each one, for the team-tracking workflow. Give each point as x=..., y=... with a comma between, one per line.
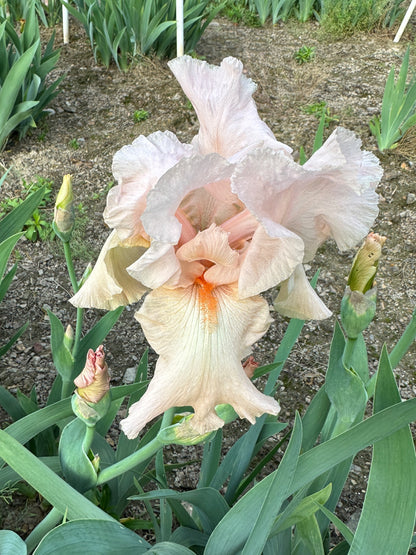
x=95, y=110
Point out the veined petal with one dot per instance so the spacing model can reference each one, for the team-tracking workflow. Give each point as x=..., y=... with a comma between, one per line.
x=165, y=198
x=109, y=284
x=201, y=334
x=137, y=167
x=334, y=201
x=272, y=256
x=297, y=299
x=224, y=105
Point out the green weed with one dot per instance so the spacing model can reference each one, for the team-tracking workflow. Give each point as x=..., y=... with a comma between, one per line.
x=305, y=54
x=140, y=115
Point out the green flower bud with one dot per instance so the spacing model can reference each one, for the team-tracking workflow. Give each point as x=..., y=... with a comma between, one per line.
x=69, y=337
x=357, y=311
x=358, y=305
x=64, y=216
x=364, y=266
x=92, y=399
x=90, y=413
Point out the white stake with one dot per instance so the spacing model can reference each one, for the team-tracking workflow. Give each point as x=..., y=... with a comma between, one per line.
x=65, y=24
x=179, y=28
x=405, y=21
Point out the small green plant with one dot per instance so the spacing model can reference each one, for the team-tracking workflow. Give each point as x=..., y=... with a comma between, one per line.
x=318, y=109
x=36, y=227
x=74, y=144
x=398, y=108
x=140, y=115
x=305, y=54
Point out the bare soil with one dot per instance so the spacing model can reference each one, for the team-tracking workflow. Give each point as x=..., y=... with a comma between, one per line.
x=96, y=107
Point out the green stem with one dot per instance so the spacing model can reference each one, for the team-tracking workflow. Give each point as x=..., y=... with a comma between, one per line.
x=67, y=388
x=75, y=287
x=349, y=352
x=89, y=436
x=136, y=458
x=167, y=418
x=46, y=525
x=70, y=266
x=78, y=330
x=404, y=343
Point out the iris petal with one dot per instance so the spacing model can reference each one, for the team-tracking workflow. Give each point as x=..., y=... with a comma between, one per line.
x=201, y=334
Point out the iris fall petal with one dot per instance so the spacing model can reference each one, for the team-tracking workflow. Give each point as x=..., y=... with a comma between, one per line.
x=201, y=334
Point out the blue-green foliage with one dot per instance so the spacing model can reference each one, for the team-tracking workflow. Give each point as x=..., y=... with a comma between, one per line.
x=121, y=30
x=24, y=68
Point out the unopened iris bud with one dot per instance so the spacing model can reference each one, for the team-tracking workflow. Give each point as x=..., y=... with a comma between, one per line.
x=64, y=216
x=358, y=305
x=94, y=381
x=92, y=396
x=68, y=337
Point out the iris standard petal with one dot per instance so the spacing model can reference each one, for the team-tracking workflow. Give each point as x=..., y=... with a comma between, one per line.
x=222, y=98
x=109, y=284
x=137, y=168
x=159, y=218
x=336, y=200
x=201, y=334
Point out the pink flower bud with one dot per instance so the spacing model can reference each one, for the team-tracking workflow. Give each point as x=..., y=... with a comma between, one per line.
x=94, y=381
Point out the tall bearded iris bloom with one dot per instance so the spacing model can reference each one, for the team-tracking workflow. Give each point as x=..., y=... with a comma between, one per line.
x=204, y=228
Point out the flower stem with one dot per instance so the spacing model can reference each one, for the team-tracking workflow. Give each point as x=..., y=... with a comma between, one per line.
x=50, y=521
x=70, y=266
x=146, y=452
x=349, y=352
x=89, y=436
x=67, y=388
x=75, y=287
x=403, y=344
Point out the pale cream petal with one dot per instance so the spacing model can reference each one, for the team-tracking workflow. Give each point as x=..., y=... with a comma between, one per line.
x=159, y=218
x=109, y=285
x=229, y=122
x=297, y=298
x=137, y=168
x=335, y=201
x=272, y=256
x=201, y=335
x=157, y=265
x=343, y=149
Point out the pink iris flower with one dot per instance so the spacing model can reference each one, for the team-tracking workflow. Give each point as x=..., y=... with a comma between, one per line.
x=204, y=228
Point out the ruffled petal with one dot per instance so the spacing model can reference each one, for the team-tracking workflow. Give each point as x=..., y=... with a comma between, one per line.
x=222, y=98
x=271, y=258
x=109, y=284
x=297, y=299
x=343, y=149
x=137, y=168
x=201, y=334
x=337, y=200
x=158, y=265
x=159, y=218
